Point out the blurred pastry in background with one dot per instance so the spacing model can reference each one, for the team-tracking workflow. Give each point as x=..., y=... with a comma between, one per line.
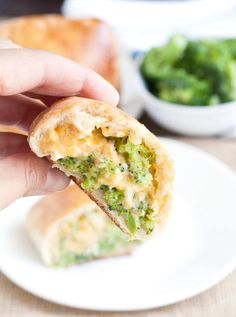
x=68, y=228
x=89, y=42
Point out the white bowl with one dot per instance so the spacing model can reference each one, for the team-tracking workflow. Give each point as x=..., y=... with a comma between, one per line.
x=125, y=17
x=189, y=120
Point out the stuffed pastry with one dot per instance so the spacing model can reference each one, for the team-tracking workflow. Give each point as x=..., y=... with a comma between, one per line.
x=119, y=163
x=68, y=228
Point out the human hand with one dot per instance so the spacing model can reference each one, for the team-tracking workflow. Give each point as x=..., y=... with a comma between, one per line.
x=29, y=82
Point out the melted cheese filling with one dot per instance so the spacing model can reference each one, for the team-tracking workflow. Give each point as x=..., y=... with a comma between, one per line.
x=89, y=236
x=80, y=235
x=64, y=141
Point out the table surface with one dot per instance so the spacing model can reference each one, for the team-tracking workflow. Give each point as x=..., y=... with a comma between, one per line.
x=219, y=301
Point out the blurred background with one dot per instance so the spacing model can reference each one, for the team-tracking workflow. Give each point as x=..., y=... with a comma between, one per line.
x=151, y=22
x=140, y=25
x=176, y=69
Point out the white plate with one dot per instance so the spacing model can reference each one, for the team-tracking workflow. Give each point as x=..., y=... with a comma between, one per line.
x=194, y=252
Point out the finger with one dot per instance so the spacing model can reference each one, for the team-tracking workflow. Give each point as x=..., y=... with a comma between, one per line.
x=25, y=174
x=19, y=111
x=11, y=143
x=11, y=129
x=47, y=100
x=49, y=74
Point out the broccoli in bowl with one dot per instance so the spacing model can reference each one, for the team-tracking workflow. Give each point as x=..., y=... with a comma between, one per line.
x=192, y=72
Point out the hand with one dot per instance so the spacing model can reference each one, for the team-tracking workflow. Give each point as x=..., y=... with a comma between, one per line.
x=29, y=81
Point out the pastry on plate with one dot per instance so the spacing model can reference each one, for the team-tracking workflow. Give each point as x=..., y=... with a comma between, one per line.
x=69, y=228
x=118, y=162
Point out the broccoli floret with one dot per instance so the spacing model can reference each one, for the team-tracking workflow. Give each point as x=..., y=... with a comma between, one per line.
x=147, y=220
x=183, y=88
x=227, y=82
x=114, y=198
x=201, y=72
x=93, y=167
x=142, y=217
x=139, y=158
x=70, y=163
x=88, y=169
x=230, y=45
x=212, y=61
x=148, y=223
x=160, y=60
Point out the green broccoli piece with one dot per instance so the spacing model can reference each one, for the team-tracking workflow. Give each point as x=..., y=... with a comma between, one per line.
x=139, y=158
x=230, y=45
x=132, y=222
x=212, y=61
x=160, y=60
x=201, y=72
x=182, y=88
x=70, y=163
x=88, y=169
x=114, y=198
x=227, y=82
x=142, y=217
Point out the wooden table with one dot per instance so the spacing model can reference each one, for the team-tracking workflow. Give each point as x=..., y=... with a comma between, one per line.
x=219, y=301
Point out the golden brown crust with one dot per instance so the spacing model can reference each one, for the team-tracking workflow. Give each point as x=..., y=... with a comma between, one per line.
x=89, y=42
x=89, y=114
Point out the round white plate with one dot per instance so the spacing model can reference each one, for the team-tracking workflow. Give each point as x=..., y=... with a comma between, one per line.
x=194, y=252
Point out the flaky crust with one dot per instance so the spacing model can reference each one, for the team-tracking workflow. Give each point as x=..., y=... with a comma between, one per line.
x=88, y=114
x=89, y=42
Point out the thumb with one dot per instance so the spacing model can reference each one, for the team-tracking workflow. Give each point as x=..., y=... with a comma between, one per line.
x=24, y=174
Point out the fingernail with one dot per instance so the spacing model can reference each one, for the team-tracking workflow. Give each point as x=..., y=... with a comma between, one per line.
x=115, y=98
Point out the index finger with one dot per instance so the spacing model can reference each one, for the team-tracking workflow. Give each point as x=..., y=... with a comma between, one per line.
x=46, y=73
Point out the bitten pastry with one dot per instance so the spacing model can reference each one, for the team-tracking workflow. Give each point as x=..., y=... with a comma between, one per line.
x=68, y=228
x=119, y=163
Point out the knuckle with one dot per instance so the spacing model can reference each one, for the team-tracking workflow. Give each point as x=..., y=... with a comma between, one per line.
x=35, y=175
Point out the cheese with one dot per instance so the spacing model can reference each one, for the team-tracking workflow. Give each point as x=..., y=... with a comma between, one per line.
x=81, y=234
x=66, y=140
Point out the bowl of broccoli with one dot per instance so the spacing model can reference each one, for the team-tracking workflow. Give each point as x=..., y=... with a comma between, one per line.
x=190, y=85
